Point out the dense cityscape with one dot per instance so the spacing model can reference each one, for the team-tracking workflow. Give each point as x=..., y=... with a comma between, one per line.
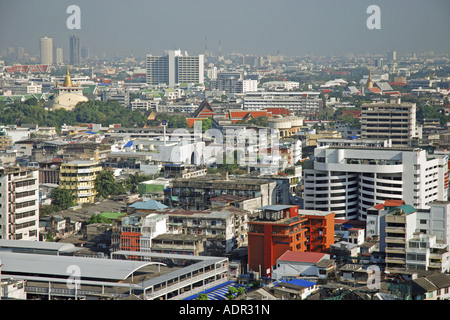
x=220, y=175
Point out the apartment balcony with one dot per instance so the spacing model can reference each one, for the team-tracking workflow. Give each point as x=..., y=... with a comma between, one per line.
x=394, y=250
x=395, y=218
x=399, y=230
x=399, y=240
x=396, y=261
x=84, y=194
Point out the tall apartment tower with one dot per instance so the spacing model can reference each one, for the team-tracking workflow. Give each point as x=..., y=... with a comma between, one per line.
x=79, y=177
x=19, y=203
x=46, y=50
x=174, y=67
x=394, y=120
x=75, y=50
x=59, y=55
x=349, y=180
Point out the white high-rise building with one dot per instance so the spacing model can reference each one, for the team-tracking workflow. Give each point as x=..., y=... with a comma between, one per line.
x=301, y=103
x=46, y=50
x=59, y=55
x=349, y=180
x=19, y=203
x=174, y=67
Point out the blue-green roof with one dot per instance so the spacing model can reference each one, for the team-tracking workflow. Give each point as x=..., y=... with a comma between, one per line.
x=148, y=205
x=406, y=208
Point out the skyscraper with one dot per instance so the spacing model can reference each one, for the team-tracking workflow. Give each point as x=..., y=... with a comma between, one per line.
x=75, y=50
x=174, y=67
x=46, y=50
x=59, y=55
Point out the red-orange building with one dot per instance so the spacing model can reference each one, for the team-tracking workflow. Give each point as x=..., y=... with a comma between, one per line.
x=320, y=230
x=284, y=227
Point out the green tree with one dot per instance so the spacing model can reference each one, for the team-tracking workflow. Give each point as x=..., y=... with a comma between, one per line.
x=232, y=291
x=96, y=218
x=131, y=184
x=106, y=185
x=63, y=198
x=202, y=296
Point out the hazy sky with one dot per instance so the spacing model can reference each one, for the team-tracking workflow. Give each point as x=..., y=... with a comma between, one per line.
x=292, y=27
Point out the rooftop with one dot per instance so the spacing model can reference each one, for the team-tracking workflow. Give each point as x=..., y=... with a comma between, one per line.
x=308, y=257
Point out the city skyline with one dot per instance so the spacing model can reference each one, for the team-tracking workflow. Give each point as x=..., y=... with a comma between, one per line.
x=263, y=27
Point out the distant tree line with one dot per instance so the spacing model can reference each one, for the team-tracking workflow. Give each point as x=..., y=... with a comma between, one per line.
x=102, y=112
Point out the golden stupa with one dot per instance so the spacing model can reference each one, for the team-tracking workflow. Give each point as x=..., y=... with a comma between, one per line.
x=67, y=96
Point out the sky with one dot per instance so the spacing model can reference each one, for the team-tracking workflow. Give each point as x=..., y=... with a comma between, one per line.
x=260, y=27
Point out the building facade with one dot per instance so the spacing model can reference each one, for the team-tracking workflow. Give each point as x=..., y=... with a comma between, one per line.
x=46, y=50
x=300, y=103
x=19, y=203
x=395, y=121
x=79, y=177
x=173, y=68
x=75, y=50
x=278, y=229
x=349, y=180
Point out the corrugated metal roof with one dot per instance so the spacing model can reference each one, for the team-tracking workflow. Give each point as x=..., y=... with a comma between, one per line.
x=37, y=245
x=60, y=266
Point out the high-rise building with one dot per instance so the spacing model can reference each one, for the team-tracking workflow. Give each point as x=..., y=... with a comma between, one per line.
x=349, y=180
x=46, y=50
x=84, y=53
x=19, y=203
x=75, y=50
x=394, y=120
x=59, y=55
x=79, y=177
x=174, y=67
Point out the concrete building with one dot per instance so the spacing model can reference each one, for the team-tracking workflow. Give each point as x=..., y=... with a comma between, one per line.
x=79, y=177
x=174, y=67
x=300, y=103
x=224, y=228
x=196, y=193
x=349, y=180
x=48, y=275
x=59, y=58
x=137, y=230
x=279, y=228
x=46, y=50
x=75, y=50
x=293, y=264
x=393, y=120
x=19, y=203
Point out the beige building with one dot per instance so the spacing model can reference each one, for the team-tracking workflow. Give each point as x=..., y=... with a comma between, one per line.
x=79, y=176
x=394, y=120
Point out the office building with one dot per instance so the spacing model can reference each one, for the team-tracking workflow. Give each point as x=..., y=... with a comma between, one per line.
x=174, y=67
x=300, y=103
x=394, y=120
x=46, y=50
x=75, y=50
x=19, y=203
x=59, y=56
x=79, y=177
x=348, y=180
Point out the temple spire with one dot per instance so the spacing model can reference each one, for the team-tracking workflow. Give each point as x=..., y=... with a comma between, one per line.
x=68, y=79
